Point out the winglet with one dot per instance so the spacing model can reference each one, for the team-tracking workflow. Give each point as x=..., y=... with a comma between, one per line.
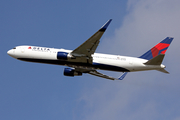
x=122, y=76
x=104, y=27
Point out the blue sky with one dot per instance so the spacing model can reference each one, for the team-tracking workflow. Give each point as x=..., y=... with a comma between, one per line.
x=39, y=91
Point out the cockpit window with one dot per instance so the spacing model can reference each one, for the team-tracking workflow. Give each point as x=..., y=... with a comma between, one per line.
x=14, y=48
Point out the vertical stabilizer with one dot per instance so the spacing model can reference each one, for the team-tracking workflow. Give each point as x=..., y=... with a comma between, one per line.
x=158, y=49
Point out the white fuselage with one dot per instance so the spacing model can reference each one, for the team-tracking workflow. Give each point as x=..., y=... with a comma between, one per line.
x=100, y=61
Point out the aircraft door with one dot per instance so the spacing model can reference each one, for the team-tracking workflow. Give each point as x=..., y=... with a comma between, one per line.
x=131, y=61
x=22, y=49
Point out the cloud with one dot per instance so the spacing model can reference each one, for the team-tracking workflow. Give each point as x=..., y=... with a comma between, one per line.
x=146, y=95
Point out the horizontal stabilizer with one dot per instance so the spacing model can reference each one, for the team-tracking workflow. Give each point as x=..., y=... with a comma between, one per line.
x=156, y=60
x=163, y=70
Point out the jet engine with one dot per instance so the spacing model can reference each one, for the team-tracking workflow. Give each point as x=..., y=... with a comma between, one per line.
x=62, y=55
x=71, y=72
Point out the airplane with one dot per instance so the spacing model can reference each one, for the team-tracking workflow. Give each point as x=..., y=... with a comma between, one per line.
x=83, y=59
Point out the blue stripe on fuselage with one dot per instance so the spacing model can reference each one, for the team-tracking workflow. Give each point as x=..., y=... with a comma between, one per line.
x=109, y=67
x=85, y=65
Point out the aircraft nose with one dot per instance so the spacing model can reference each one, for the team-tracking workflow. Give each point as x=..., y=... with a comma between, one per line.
x=10, y=52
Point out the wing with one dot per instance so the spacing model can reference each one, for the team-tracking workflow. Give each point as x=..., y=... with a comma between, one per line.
x=89, y=46
x=94, y=72
x=91, y=71
x=122, y=76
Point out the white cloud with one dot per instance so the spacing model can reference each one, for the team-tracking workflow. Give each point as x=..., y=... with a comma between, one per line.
x=146, y=95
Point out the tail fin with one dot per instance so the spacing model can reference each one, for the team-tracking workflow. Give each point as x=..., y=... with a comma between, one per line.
x=160, y=48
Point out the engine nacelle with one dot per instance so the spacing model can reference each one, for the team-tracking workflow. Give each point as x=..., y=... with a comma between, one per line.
x=71, y=72
x=62, y=55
